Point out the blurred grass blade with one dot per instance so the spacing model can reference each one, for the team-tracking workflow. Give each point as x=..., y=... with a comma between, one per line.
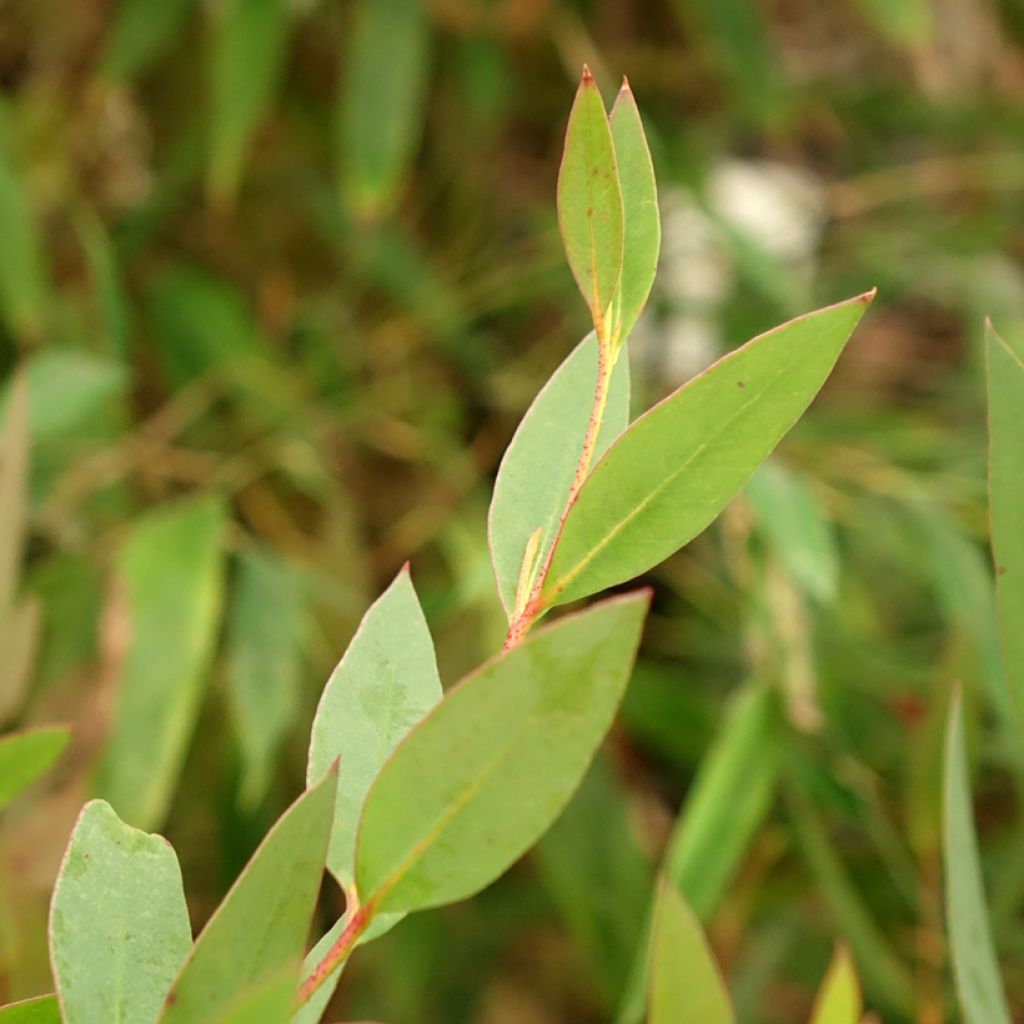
x=171, y=572
x=539, y=464
x=380, y=105
x=264, y=652
x=975, y=966
x=119, y=927
x=249, y=49
x=14, y=447
x=107, y=281
x=642, y=225
x=41, y=1010
x=590, y=203
x=25, y=756
x=838, y=1000
x=142, y=31
x=1006, y=484
x=386, y=682
x=685, y=983
x=258, y=932
x=676, y=467
x=437, y=828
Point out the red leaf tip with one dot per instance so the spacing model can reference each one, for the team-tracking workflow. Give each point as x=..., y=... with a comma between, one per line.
x=587, y=76
x=625, y=85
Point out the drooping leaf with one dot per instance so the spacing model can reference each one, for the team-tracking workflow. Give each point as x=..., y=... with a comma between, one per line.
x=1006, y=484
x=265, y=632
x=539, y=465
x=386, y=682
x=248, y=56
x=380, y=106
x=590, y=202
x=258, y=932
x=975, y=965
x=482, y=777
x=25, y=756
x=838, y=1000
x=685, y=984
x=170, y=569
x=671, y=473
x=642, y=225
x=119, y=927
x=41, y=1010
x=140, y=33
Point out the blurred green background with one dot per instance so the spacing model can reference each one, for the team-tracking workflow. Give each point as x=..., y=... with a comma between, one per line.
x=282, y=275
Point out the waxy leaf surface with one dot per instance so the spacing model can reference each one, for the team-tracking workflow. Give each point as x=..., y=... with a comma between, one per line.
x=479, y=780
x=539, y=464
x=119, y=928
x=25, y=756
x=676, y=467
x=258, y=933
x=838, y=1000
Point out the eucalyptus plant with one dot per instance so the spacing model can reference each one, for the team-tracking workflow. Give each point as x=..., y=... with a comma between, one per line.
x=420, y=796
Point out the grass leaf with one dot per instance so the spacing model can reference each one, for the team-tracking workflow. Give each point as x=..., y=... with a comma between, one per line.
x=25, y=756
x=838, y=1000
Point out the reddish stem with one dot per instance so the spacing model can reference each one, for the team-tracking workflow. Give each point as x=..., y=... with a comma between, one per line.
x=338, y=953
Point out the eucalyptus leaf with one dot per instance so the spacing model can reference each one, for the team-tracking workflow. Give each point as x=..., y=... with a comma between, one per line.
x=838, y=1000
x=41, y=1010
x=25, y=756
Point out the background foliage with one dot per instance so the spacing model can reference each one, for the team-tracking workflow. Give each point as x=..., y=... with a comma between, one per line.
x=282, y=275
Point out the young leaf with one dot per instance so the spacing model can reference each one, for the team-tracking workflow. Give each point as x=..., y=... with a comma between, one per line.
x=671, y=473
x=539, y=464
x=838, y=1000
x=975, y=966
x=642, y=225
x=590, y=202
x=386, y=682
x=685, y=982
x=482, y=777
x=25, y=756
x=1006, y=483
x=171, y=572
x=41, y=1010
x=380, y=112
x=258, y=932
x=265, y=634
x=119, y=928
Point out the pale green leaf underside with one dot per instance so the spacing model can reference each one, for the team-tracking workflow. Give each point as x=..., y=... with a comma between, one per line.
x=41, y=1010
x=838, y=1000
x=477, y=782
x=386, y=682
x=975, y=966
x=674, y=470
x=25, y=756
x=539, y=464
x=258, y=933
x=684, y=981
x=119, y=927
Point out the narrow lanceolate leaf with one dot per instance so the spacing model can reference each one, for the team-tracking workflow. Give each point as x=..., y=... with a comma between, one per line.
x=41, y=1010
x=685, y=984
x=270, y=1001
x=386, y=682
x=590, y=202
x=642, y=231
x=119, y=928
x=1006, y=482
x=25, y=756
x=975, y=966
x=539, y=465
x=479, y=780
x=170, y=570
x=259, y=931
x=671, y=473
x=838, y=1000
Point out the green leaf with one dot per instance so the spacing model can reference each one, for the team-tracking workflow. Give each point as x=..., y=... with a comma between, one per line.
x=248, y=57
x=141, y=32
x=258, y=932
x=484, y=775
x=14, y=447
x=380, y=106
x=671, y=473
x=590, y=202
x=642, y=225
x=268, y=1002
x=264, y=650
x=907, y=23
x=838, y=1000
x=1006, y=495
x=386, y=682
x=539, y=465
x=107, y=281
x=975, y=966
x=25, y=756
x=119, y=928
x=41, y=1010
x=685, y=982
x=170, y=570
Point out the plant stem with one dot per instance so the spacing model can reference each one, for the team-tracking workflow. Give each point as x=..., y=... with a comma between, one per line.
x=338, y=953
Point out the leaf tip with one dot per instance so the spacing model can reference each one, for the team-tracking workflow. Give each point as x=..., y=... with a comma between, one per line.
x=868, y=297
x=586, y=78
